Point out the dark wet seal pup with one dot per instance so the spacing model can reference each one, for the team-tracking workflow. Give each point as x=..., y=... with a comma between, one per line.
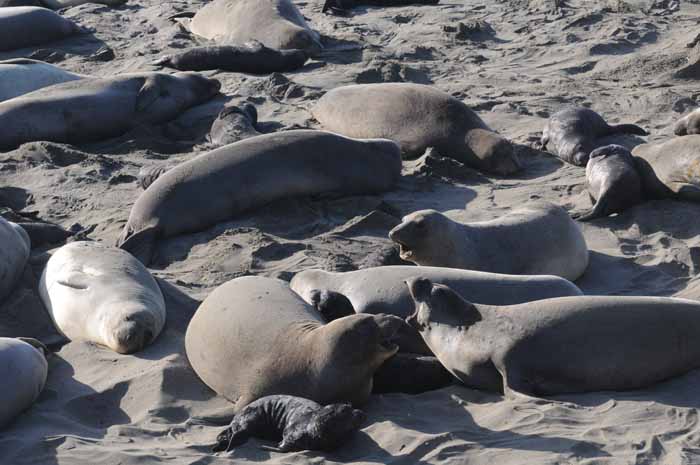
x=252, y=57
x=689, y=124
x=340, y=5
x=233, y=124
x=612, y=181
x=45, y=233
x=572, y=134
x=300, y=423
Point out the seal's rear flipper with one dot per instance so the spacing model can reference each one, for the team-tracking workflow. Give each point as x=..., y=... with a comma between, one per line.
x=628, y=129
x=598, y=211
x=140, y=244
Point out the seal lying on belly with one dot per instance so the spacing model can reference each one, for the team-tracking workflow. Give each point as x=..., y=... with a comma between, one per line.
x=558, y=346
x=251, y=173
x=23, y=372
x=383, y=290
x=253, y=337
x=25, y=26
x=22, y=76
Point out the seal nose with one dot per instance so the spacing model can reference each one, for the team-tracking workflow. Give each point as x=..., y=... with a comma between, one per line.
x=134, y=332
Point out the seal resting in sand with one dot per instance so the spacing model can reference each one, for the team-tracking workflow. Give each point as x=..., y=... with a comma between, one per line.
x=254, y=337
x=25, y=26
x=300, y=423
x=103, y=295
x=538, y=238
x=383, y=290
x=234, y=123
x=94, y=109
x=22, y=75
x=670, y=169
x=573, y=133
x=58, y=4
x=558, y=346
x=340, y=5
x=14, y=253
x=416, y=117
x=277, y=24
x=23, y=371
x=252, y=57
x=689, y=124
x=252, y=173
x=612, y=181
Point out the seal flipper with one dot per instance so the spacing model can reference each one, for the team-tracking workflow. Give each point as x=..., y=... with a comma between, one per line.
x=148, y=94
x=598, y=211
x=140, y=244
x=229, y=438
x=628, y=129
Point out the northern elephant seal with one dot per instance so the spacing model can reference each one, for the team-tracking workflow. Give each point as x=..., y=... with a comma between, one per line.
x=93, y=109
x=416, y=117
x=277, y=24
x=253, y=337
x=57, y=4
x=336, y=5
x=23, y=372
x=537, y=239
x=612, y=182
x=670, y=169
x=383, y=290
x=557, y=346
x=252, y=173
x=573, y=133
x=25, y=26
x=300, y=423
x=103, y=295
x=689, y=124
x=234, y=123
x=22, y=76
x=14, y=253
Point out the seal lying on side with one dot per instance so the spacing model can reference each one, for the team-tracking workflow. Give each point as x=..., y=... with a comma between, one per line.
x=539, y=238
x=252, y=57
x=24, y=26
x=233, y=124
x=573, y=133
x=612, y=181
x=93, y=109
x=689, y=124
x=557, y=346
x=348, y=4
x=23, y=371
x=302, y=424
x=416, y=117
x=22, y=75
x=670, y=169
x=383, y=290
x=252, y=173
x=14, y=253
x=277, y=24
x=254, y=337
x=103, y=295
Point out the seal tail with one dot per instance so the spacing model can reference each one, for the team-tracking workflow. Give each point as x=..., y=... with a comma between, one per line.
x=140, y=243
x=628, y=129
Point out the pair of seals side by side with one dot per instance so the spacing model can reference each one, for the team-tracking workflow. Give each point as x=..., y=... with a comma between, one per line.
x=21, y=76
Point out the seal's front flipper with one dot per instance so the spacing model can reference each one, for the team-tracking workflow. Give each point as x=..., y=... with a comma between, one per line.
x=140, y=244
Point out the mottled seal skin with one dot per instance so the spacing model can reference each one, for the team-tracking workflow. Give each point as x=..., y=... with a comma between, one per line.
x=14, y=253
x=23, y=372
x=612, y=181
x=253, y=337
x=22, y=75
x=45, y=233
x=300, y=423
x=277, y=24
x=103, y=295
x=689, y=124
x=234, y=124
x=670, y=170
x=537, y=239
x=94, y=109
x=148, y=175
x=382, y=290
x=573, y=133
x=252, y=58
x=558, y=346
x=417, y=117
x=25, y=26
x=254, y=172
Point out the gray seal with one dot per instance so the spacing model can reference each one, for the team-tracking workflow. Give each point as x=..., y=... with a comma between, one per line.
x=234, y=123
x=254, y=172
x=22, y=76
x=25, y=26
x=670, y=170
x=558, y=346
x=573, y=133
x=300, y=423
x=23, y=372
x=537, y=239
x=14, y=253
x=612, y=182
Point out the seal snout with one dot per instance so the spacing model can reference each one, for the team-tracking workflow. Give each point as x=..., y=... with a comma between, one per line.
x=420, y=289
x=389, y=326
x=133, y=333
x=398, y=235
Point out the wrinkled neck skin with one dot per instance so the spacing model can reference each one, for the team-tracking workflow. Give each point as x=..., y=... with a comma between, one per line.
x=459, y=248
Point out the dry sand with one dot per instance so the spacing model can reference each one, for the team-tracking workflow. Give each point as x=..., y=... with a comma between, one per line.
x=629, y=60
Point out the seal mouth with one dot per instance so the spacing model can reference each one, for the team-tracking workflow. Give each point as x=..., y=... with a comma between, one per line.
x=405, y=251
x=389, y=326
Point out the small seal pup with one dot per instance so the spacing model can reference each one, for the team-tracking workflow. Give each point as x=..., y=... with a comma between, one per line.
x=689, y=124
x=14, y=253
x=23, y=372
x=670, y=170
x=300, y=423
x=382, y=290
x=253, y=337
x=22, y=75
x=538, y=239
x=25, y=26
x=558, y=346
x=234, y=123
x=252, y=57
x=612, y=181
x=573, y=133
x=279, y=165
x=94, y=109
x=103, y=295
x=417, y=117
